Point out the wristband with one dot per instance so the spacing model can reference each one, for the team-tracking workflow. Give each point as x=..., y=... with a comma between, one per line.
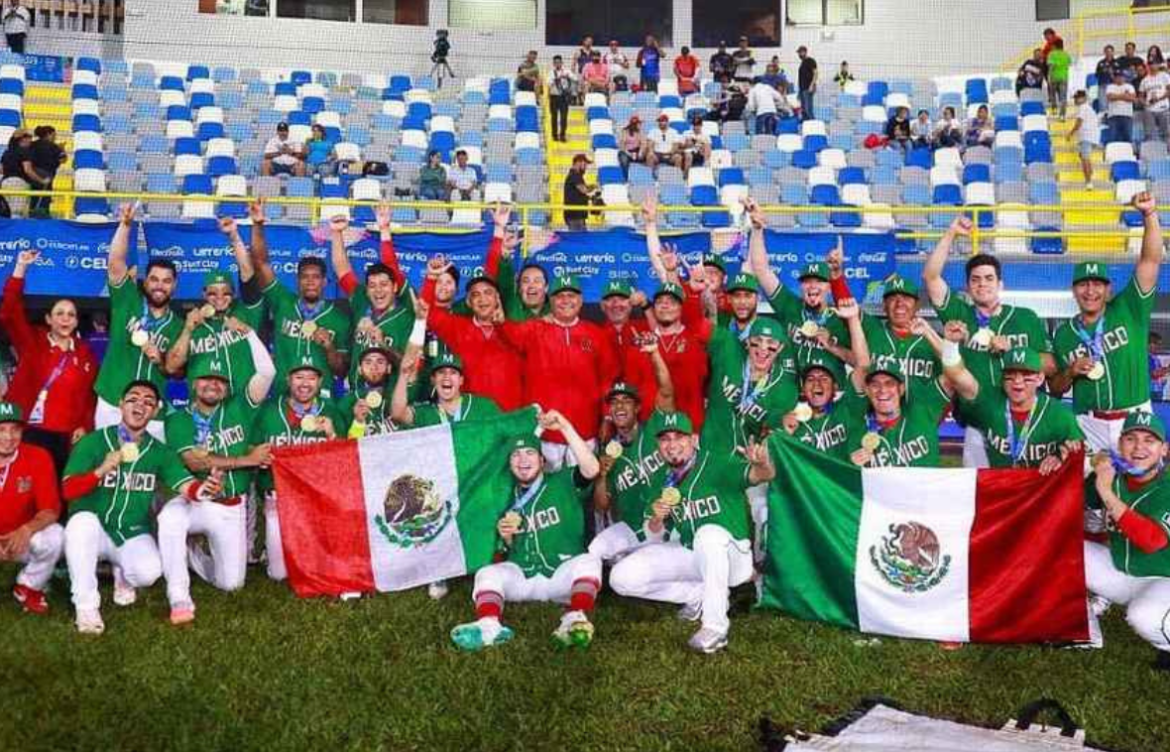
x=357, y=430
x=418, y=334
x=950, y=355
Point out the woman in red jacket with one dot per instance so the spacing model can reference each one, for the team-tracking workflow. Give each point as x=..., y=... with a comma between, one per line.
x=55, y=371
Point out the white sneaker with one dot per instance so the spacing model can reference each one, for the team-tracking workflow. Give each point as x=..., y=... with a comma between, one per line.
x=124, y=594
x=708, y=640
x=90, y=622
x=691, y=611
x=575, y=630
x=480, y=634
x=437, y=590
x=1099, y=605
x=1089, y=186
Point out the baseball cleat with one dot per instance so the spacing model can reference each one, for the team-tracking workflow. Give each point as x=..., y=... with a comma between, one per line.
x=90, y=622
x=477, y=635
x=437, y=590
x=124, y=594
x=183, y=613
x=575, y=631
x=31, y=601
x=691, y=611
x=708, y=640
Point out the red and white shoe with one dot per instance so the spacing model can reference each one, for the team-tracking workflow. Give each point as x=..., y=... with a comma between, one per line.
x=31, y=601
x=182, y=614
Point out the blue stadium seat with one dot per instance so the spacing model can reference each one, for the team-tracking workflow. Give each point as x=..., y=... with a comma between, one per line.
x=793, y=193
x=239, y=131
x=82, y=123
x=234, y=209
x=83, y=205
x=640, y=174
x=88, y=159
x=1009, y=172
x=527, y=120
x=209, y=131
x=919, y=158
x=736, y=142
x=788, y=125
x=399, y=83
x=160, y=183
x=707, y=195
x=178, y=112
x=1045, y=194
x=154, y=145
x=313, y=105
x=776, y=159
x=1031, y=108
x=878, y=90
x=12, y=86
x=91, y=64
x=1125, y=171
x=442, y=141
x=816, y=143
x=1158, y=170
x=84, y=91
x=119, y=124
x=976, y=91
x=301, y=187
x=11, y=119
x=419, y=110
x=976, y=173
x=1037, y=153
x=198, y=71
x=885, y=175
x=197, y=184
x=334, y=188
x=610, y=176
x=1005, y=123
x=202, y=99
x=758, y=177
x=299, y=117
x=257, y=88
x=1047, y=246
x=122, y=161
x=299, y=77
x=804, y=159
x=850, y=176
x=171, y=83
x=825, y=195
x=604, y=141
x=284, y=89
x=224, y=165
x=224, y=74
x=947, y=195
x=731, y=176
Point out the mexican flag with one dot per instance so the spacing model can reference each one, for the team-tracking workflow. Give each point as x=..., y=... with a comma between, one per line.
x=958, y=555
x=394, y=511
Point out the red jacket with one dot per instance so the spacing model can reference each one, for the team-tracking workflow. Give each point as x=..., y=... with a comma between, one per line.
x=685, y=354
x=634, y=366
x=71, y=399
x=31, y=487
x=566, y=368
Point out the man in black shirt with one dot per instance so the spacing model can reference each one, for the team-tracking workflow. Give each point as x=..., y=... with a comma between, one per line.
x=1032, y=73
x=578, y=192
x=721, y=64
x=806, y=82
x=1106, y=67
x=1130, y=64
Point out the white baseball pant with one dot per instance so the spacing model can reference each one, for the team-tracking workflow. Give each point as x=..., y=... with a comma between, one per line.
x=1147, y=599
x=614, y=541
x=86, y=542
x=758, y=504
x=673, y=573
x=557, y=456
x=974, y=448
x=106, y=415
x=226, y=535
x=272, y=542
x=508, y=580
x=44, y=550
x=1102, y=435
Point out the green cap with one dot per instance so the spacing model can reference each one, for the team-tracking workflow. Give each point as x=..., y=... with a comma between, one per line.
x=565, y=282
x=817, y=269
x=670, y=288
x=447, y=360
x=822, y=360
x=216, y=277
x=622, y=387
x=1089, y=270
x=744, y=281
x=680, y=422
x=1140, y=420
x=715, y=260
x=899, y=285
x=890, y=367
x=303, y=362
x=10, y=413
x=527, y=441
x=208, y=368
x=617, y=287
x=1022, y=359
x=765, y=326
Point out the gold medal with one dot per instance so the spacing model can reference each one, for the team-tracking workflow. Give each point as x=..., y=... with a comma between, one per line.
x=129, y=452
x=513, y=520
x=309, y=328
x=374, y=400
x=613, y=450
x=140, y=338
x=809, y=329
x=366, y=324
x=208, y=310
x=1097, y=372
x=309, y=424
x=671, y=496
x=871, y=441
x=982, y=337
x=802, y=412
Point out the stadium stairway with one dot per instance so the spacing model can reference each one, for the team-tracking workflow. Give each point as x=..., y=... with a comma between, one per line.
x=560, y=158
x=51, y=104
x=1072, y=191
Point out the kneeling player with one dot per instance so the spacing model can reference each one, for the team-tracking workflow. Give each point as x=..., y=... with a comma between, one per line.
x=542, y=535
x=367, y=404
x=1134, y=569
x=110, y=481
x=701, y=499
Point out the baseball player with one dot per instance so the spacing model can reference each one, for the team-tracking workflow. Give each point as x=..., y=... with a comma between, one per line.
x=986, y=327
x=29, y=508
x=542, y=537
x=700, y=503
x=677, y=324
x=142, y=327
x=450, y=404
x=110, y=484
x=1134, y=568
x=301, y=416
x=1101, y=353
x=366, y=404
x=893, y=339
x=1021, y=425
x=523, y=296
x=211, y=436
x=209, y=334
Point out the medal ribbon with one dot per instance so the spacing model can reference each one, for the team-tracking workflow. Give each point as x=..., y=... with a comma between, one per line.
x=301, y=413
x=7, y=468
x=1095, y=343
x=38, y=412
x=459, y=415
x=309, y=312
x=675, y=477
x=203, y=425
x=740, y=334
x=1124, y=466
x=521, y=500
x=1019, y=443
x=148, y=322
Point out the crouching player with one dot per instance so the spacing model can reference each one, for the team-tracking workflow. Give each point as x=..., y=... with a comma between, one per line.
x=1134, y=568
x=701, y=499
x=542, y=536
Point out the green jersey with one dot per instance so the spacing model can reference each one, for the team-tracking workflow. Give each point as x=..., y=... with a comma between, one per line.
x=553, y=526
x=628, y=478
x=1118, y=340
x=123, y=498
x=394, y=324
x=277, y=424
x=911, y=440
x=213, y=340
x=471, y=407
x=830, y=432
x=289, y=316
x=225, y=432
x=124, y=361
x=737, y=407
x=1021, y=326
x=714, y=492
x=510, y=294
x=1058, y=62
x=791, y=311
x=912, y=352
x=1151, y=500
x=378, y=420
x=1015, y=442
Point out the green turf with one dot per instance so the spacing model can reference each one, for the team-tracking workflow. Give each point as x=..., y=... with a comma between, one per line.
x=261, y=670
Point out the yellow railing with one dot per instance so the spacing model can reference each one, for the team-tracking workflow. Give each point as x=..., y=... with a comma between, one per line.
x=1132, y=25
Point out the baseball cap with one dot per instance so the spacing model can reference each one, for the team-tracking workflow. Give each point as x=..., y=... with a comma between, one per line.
x=891, y=368
x=483, y=276
x=1022, y=359
x=208, y=368
x=622, y=387
x=764, y=326
x=670, y=288
x=817, y=269
x=282, y=126
x=563, y=283
x=1086, y=270
x=899, y=285
x=527, y=441
x=1141, y=420
x=680, y=422
x=305, y=362
x=216, y=277
x=10, y=413
x=447, y=360
x=823, y=361
x=715, y=260
x=617, y=287
x=744, y=281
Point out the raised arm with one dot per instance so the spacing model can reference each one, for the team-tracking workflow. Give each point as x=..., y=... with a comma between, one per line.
x=400, y=410
x=263, y=270
x=386, y=252
x=850, y=312
x=180, y=350
x=587, y=463
x=228, y=226
x=932, y=270
x=956, y=377
x=338, y=256
x=664, y=399
x=653, y=242
x=13, y=318
x=1146, y=271
x=261, y=381
x=758, y=251
x=117, y=267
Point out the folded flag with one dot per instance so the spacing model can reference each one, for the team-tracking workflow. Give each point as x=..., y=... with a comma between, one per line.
x=395, y=511
x=959, y=555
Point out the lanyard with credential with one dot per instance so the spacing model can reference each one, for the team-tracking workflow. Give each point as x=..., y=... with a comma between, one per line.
x=203, y=425
x=37, y=415
x=519, y=501
x=1095, y=342
x=1019, y=443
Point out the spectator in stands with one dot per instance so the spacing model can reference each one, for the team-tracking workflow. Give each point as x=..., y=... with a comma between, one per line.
x=562, y=89
x=1120, y=95
x=528, y=74
x=948, y=132
x=584, y=54
x=1058, y=63
x=1051, y=38
x=696, y=145
x=806, y=82
x=665, y=144
x=650, y=64
x=722, y=64
x=1106, y=67
x=843, y=75
x=1159, y=373
x=729, y=104
x=578, y=192
x=319, y=157
x=922, y=130
x=743, y=62
x=632, y=145
x=764, y=102
x=282, y=155
x=686, y=70
x=1155, y=95
x=1129, y=61
x=1086, y=133
x=462, y=178
x=17, y=19
x=775, y=78
x=596, y=76
x=432, y=178
x=18, y=170
x=1032, y=73
x=47, y=156
x=898, y=129
x=619, y=67
x=981, y=129
x=1154, y=56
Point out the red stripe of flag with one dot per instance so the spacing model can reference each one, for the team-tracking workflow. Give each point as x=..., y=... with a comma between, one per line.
x=1027, y=566
x=323, y=523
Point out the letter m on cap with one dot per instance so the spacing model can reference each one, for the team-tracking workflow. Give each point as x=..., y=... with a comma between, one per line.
x=1092, y=268
x=1018, y=357
x=1143, y=419
x=670, y=420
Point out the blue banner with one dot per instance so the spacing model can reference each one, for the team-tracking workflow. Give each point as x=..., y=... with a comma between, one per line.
x=73, y=255
x=45, y=68
x=868, y=258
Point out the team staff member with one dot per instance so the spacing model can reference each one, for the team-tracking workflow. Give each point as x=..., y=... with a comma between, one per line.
x=367, y=403
x=988, y=328
x=542, y=537
x=142, y=328
x=55, y=372
x=110, y=484
x=29, y=508
x=1101, y=353
x=211, y=436
x=302, y=415
x=700, y=500
x=1134, y=568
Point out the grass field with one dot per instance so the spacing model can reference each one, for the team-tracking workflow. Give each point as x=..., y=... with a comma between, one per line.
x=263, y=670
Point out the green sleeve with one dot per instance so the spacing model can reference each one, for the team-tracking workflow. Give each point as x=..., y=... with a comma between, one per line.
x=853, y=401
x=278, y=297
x=172, y=470
x=360, y=300
x=342, y=331
x=1038, y=335
x=125, y=303
x=250, y=314
x=1058, y=352
x=257, y=434
x=954, y=308
x=340, y=424
x=345, y=407
x=509, y=292
x=839, y=331
x=934, y=398
x=87, y=455
x=786, y=305
x=1138, y=305
x=180, y=432
x=736, y=472
x=425, y=414
x=1071, y=426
